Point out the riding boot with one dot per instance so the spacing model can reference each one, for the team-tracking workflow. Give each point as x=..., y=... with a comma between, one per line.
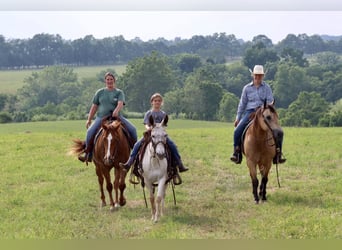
x=181, y=167
x=278, y=157
x=126, y=166
x=87, y=156
x=236, y=156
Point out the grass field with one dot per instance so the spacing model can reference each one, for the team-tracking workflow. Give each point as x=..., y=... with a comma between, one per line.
x=46, y=194
x=11, y=80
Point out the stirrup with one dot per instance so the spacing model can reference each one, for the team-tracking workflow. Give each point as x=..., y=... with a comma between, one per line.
x=176, y=179
x=133, y=179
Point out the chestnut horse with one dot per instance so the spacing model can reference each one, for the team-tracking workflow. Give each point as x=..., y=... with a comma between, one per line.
x=259, y=146
x=111, y=147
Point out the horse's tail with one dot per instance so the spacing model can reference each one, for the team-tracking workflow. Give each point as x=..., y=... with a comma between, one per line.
x=77, y=147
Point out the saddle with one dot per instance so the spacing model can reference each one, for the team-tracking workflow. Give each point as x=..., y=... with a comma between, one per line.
x=243, y=136
x=137, y=169
x=131, y=141
x=109, y=119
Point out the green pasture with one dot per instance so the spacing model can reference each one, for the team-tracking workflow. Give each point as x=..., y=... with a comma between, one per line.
x=11, y=80
x=48, y=194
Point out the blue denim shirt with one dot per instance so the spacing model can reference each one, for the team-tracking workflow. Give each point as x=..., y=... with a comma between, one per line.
x=253, y=97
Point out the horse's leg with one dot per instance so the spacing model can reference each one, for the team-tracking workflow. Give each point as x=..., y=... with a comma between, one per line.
x=153, y=204
x=116, y=188
x=263, y=184
x=100, y=180
x=122, y=187
x=160, y=199
x=264, y=181
x=255, y=181
x=109, y=186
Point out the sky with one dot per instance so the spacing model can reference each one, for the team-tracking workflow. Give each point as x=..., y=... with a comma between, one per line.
x=173, y=19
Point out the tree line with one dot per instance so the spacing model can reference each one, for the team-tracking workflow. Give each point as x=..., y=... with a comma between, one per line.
x=307, y=88
x=47, y=49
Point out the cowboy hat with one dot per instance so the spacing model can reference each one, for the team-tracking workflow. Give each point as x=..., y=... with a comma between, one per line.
x=258, y=70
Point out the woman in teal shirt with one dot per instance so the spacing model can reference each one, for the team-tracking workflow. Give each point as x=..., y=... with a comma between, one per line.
x=107, y=101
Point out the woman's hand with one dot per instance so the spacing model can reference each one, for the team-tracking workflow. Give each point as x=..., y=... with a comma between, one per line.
x=88, y=123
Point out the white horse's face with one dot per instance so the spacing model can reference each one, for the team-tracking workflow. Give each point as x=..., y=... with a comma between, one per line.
x=159, y=137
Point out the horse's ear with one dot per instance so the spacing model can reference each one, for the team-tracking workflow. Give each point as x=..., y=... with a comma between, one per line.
x=165, y=120
x=104, y=124
x=151, y=120
x=265, y=103
x=273, y=102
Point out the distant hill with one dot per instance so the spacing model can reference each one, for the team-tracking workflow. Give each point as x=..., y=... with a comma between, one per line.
x=331, y=38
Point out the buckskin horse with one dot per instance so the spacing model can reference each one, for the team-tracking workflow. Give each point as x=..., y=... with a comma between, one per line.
x=111, y=147
x=259, y=146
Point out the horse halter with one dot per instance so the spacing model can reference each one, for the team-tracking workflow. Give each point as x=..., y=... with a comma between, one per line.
x=154, y=146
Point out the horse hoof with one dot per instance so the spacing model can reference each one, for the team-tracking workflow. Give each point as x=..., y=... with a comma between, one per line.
x=114, y=208
x=256, y=202
x=123, y=202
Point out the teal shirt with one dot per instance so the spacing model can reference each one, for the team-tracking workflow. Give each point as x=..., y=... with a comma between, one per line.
x=107, y=101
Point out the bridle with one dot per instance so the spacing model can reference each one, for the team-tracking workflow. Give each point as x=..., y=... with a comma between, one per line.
x=154, y=146
x=266, y=121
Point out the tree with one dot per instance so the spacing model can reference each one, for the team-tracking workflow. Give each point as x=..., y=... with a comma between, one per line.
x=3, y=100
x=259, y=54
x=264, y=40
x=228, y=107
x=188, y=62
x=46, y=86
x=306, y=110
x=327, y=58
x=294, y=56
x=145, y=76
x=289, y=81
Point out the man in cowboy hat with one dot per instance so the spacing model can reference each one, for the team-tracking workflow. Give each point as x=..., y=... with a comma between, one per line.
x=252, y=96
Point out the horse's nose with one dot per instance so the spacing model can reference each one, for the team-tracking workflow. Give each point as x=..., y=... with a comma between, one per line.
x=108, y=161
x=161, y=156
x=278, y=133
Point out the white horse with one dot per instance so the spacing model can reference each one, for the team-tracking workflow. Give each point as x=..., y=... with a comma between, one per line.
x=154, y=167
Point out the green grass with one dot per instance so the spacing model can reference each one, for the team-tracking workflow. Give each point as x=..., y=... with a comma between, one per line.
x=47, y=194
x=12, y=80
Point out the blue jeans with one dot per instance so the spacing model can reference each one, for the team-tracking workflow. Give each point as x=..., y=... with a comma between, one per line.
x=96, y=125
x=170, y=143
x=241, y=127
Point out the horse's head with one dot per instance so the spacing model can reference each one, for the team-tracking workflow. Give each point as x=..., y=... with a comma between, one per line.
x=159, y=137
x=111, y=138
x=267, y=118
